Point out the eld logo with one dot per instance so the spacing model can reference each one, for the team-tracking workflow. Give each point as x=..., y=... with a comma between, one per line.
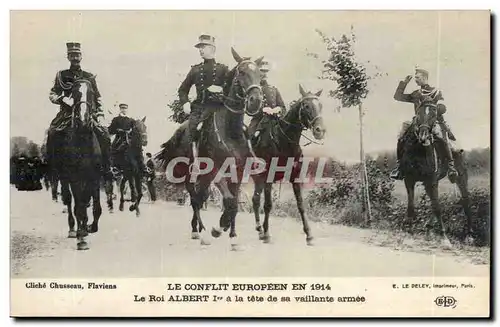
x=446, y=301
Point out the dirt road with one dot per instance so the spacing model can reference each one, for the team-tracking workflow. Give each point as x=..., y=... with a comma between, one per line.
x=158, y=244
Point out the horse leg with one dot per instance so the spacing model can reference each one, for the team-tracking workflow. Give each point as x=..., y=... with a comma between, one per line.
x=53, y=185
x=96, y=208
x=224, y=221
x=410, y=211
x=297, y=191
x=234, y=189
x=66, y=196
x=431, y=188
x=462, y=183
x=133, y=191
x=259, y=186
x=268, y=205
x=194, y=220
x=122, y=191
x=137, y=181
x=108, y=187
x=80, y=213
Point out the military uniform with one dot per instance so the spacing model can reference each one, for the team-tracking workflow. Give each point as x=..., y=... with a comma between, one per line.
x=202, y=75
x=441, y=130
x=62, y=88
x=118, y=127
x=272, y=99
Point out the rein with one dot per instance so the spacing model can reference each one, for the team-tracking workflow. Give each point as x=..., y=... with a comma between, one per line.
x=303, y=126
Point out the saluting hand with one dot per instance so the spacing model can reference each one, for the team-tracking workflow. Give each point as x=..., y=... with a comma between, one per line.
x=408, y=78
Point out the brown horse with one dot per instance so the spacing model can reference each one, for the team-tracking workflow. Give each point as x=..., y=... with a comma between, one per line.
x=421, y=162
x=221, y=140
x=76, y=163
x=280, y=140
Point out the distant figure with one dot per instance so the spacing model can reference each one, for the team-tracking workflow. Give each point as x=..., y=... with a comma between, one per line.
x=150, y=166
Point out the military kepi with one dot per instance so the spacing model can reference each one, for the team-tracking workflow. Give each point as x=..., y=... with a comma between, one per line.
x=123, y=105
x=205, y=40
x=73, y=47
x=421, y=71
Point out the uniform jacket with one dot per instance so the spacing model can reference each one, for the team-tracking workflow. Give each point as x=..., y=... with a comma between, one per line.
x=417, y=96
x=203, y=75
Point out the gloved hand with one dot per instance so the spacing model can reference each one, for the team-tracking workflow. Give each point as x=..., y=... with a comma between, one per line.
x=69, y=101
x=267, y=110
x=186, y=107
x=215, y=89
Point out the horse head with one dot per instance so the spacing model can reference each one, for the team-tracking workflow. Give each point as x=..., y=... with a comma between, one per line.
x=426, y=117
x=84, y=98
x=307, y=112
x=246, y=83
x=140, y=130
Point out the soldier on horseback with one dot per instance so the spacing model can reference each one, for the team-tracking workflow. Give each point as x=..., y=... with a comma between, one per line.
x=61, y=94
x=120, y=126
x=273, y=104
x=441, y=131
x=209, y=79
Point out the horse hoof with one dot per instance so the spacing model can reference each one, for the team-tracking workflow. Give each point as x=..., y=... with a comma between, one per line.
x=195, y=236
x=111, y=211
x=72, y=234
x=261, y=236
x=64, y=210
x=82, y=246
x=310, y=241
x=266, y=239
x=216, y=232
x=137, y=213
x=121, y=207
x=131, y=208
x=93, y=228
x=204, y=241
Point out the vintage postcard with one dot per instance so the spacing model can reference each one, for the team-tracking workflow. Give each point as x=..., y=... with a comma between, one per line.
x=250, y=163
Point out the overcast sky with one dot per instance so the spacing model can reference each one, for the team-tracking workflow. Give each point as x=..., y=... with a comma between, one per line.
x=141, y=58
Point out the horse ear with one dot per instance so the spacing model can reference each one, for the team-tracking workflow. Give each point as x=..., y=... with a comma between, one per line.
x=143, y=119
x=301, y=90
x=319, y=92
x=236, y=56
x=259, y=61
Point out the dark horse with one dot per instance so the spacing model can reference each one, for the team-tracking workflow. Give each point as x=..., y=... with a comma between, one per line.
x=76, y=163
x=421, y=162
x=280, y=139
x=221, y=139
x=126, y=159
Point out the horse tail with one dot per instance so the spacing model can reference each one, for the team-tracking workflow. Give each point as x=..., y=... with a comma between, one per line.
x=170, y=148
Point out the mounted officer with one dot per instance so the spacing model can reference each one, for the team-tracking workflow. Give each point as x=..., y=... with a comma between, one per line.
x=60, y=94
x=209, y=79
x=273, y=104
x=120, y=126
x=441, y=131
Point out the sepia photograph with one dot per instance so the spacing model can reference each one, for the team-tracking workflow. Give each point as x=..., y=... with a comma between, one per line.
x=335, y=159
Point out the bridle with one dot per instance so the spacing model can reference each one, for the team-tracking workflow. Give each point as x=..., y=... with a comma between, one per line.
x=301, y=124
x=79, y=103
x=244, y=91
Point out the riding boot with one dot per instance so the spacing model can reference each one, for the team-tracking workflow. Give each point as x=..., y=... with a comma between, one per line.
x=396, y=172
x=452, y=171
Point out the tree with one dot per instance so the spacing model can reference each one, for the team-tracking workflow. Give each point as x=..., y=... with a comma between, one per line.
x=33, y=150
x=342, y=67
x=178, y=115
